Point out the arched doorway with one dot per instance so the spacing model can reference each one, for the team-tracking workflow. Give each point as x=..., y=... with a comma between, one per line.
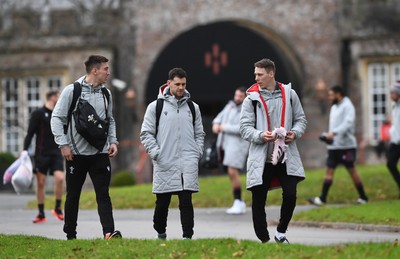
x=219, y=57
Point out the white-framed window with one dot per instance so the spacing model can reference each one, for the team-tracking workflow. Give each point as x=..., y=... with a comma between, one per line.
x=20, y=97
x=395, y=72
x=380, y=77
x=11, y=125
x=54, y=83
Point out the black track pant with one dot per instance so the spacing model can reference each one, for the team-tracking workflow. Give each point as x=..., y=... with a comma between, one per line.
x=392, y=160
x=99, y=169
x=185, y=208
x=259, y=197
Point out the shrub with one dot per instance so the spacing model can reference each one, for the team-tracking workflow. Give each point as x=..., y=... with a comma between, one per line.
x=6, y=159
x=122, y=178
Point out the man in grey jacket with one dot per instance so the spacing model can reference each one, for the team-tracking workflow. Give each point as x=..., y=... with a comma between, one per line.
x=394, y=148
x=174, y=141
x=81, y=157
x=341, y=146
x=271, y=105
x=233, y=149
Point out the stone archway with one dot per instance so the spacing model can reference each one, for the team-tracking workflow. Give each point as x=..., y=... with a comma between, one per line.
x=219, y=57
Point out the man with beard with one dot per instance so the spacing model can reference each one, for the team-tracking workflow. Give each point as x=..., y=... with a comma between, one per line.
x=233, y=149
x=341, y=146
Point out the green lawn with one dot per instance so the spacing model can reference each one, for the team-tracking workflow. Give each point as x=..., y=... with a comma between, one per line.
x=215, y=191
x=17, y=246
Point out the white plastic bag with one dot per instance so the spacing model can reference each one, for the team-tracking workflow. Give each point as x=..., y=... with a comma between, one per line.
x=10, y=171
x=22, y=178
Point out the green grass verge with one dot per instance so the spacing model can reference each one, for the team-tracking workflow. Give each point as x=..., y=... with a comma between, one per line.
x=18, y=246
x=215, y=191
x=377, y=213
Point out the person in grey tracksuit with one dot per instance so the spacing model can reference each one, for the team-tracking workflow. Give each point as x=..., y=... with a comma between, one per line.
x=81, y=157
x=232, y=148
x=269, y=105
x=394, y=148
x=175, y=149
x=341, y=146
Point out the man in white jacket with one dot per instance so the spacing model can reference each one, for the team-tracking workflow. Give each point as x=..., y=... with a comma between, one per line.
x=232, y=148
x=174, y=141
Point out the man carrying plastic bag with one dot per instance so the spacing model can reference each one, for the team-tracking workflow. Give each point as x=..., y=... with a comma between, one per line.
x=22, y=178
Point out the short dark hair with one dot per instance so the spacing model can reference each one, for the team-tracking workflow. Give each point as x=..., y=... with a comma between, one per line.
x=338, y=89
x=267, y=64
x=241, y=89
x=94, y=61
x=177, y=72
x=50, y=94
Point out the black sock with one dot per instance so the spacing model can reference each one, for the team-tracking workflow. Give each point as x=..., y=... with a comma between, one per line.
x=237, y=193
x=58, y=205
x=360, y=189
x=41, y=209
x=325, y=189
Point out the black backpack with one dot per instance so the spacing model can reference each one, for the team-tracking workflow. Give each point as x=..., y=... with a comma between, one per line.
x=87, y=122
x=160, y=105
x=209, y=160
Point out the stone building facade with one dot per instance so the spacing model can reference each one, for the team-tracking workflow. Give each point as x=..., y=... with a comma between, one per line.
x=316, y=44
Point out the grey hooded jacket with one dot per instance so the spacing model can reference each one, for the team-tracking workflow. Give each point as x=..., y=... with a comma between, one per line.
x=59, y=118
x=251, y=129
x=342, y=122
x=177, y=147
x=395, y=128
x=235, y=148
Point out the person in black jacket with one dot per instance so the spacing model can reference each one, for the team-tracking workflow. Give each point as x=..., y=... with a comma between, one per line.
x=48, y=158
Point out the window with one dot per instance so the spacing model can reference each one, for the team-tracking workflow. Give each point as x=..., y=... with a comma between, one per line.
x=11, y=125
x=54, y=83
x=380, y=78
x=20, y=97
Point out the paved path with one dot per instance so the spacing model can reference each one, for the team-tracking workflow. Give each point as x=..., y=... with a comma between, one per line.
x=209, y=223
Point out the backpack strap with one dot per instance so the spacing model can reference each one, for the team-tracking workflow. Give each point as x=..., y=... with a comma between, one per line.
x=106, y=93
x=191, y=107
x=75, y=96
x=255, y=111
x=159, y=107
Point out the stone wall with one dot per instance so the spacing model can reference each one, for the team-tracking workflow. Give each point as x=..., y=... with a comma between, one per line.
x=328, y=38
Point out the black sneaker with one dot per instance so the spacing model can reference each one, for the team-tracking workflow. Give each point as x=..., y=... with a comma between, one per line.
x=71, y=238
x=283, y=240
x=115, y=234
x=162, y=236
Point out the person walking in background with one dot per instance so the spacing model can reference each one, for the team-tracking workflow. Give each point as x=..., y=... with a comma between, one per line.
x=394, y=148
x=82, y=157
x=172, y=134
x=48, y=158
x=233, y=149
x=341, y=146
x=384, y=139
x=272, y=118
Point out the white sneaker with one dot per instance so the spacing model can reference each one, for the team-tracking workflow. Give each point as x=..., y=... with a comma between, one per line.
x=361, y=201
x=239, y=207
x=316, y=201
